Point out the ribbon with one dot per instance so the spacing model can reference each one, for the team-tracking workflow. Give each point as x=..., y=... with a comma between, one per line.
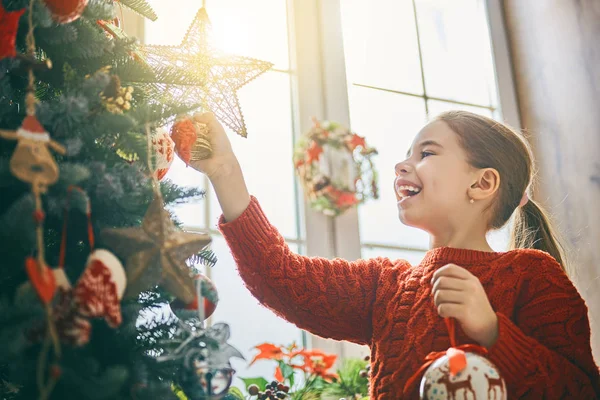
x=457, y=359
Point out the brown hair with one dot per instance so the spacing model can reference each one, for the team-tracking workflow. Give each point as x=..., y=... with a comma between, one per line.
x=491, y=144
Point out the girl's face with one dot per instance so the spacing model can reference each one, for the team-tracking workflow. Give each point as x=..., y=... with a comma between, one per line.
x=432, y=184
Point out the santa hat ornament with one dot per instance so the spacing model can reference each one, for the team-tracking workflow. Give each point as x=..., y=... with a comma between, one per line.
x=100, y=288
x=164, y=152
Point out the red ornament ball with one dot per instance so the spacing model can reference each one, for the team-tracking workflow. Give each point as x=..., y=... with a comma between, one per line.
x=65, y=11
x=209, y=294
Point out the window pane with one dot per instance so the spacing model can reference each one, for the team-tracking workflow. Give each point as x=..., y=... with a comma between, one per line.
x=266, y=155
x=457, y=56
x=192, y=213
x=413, y=257
x=255, y=29
x=389, y=122
x=251, y=323
x=380, y=44
x=437, y=107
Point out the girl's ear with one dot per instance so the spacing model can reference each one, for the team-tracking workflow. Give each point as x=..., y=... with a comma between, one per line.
x=487, y=182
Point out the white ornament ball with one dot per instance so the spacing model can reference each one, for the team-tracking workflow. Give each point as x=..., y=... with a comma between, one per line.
x=480, y=380
x=164, y=151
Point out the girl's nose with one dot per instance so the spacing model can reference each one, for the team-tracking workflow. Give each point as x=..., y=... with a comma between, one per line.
x=402, y=168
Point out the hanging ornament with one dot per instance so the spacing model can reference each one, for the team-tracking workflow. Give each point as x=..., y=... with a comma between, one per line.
x=335, y=168
x=156, y=253
x=460, y=373
x=31, y=161
x=96, y=294
x=65, y=11
x=202, y=358
x=163, y=149
x=9, y=23
x=41, y=279
x=100, y=288
x=195, y=72
x=209, y=295
x=191, y=139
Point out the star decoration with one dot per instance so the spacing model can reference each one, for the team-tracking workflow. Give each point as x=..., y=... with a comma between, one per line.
x=156, y=253
x=313, y=152
x=197, y=73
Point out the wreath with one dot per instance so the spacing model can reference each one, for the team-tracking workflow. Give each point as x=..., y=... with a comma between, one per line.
x=335, y=168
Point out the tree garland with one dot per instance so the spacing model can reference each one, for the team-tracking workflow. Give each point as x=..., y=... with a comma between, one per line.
x=335, y=168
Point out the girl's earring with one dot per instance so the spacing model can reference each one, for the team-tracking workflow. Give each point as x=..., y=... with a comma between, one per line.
x=472, y=201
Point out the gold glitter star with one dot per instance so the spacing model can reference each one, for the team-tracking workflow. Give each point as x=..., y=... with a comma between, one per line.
x=156, y=253
x=205, y=76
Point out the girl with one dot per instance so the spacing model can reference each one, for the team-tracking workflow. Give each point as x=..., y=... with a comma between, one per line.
x=463, y=176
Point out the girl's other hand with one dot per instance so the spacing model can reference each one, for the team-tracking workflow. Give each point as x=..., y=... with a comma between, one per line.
x=458, y=294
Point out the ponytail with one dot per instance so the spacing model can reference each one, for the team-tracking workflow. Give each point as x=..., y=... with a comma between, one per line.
x=533, y=230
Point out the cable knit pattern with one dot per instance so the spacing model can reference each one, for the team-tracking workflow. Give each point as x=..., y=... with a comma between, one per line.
x=543, y=348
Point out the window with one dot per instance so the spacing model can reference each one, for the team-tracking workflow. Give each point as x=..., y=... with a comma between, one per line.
x=255, y=29
x=407, y=61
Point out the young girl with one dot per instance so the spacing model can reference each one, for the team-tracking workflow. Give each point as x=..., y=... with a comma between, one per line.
x=464, y=175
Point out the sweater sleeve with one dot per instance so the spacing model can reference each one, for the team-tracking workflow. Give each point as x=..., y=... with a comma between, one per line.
x=546, y=352
x=330, y=298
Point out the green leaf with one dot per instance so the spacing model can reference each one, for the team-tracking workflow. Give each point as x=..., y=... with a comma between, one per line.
x=260, y=382
x=286, y=369
x=237, y=393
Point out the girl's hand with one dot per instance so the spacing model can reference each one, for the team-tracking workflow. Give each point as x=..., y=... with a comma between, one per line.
x=222, y=158
x=459, y=294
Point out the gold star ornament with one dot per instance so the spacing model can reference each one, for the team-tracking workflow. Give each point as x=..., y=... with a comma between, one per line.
x=205, y=76
x=156, y=253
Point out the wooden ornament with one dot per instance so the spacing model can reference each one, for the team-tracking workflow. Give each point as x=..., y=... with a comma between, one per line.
x=32, y=161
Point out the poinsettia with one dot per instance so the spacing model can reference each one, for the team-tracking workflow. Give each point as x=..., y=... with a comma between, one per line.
x=315, y=364
x=268, y=351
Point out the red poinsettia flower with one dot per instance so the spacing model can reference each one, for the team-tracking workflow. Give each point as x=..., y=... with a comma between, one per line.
x=319, y=363
x=313, y=152
x=267, y=351
x=356, y=141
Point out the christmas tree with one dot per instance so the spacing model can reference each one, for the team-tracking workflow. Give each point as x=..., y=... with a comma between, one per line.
x=79, y=153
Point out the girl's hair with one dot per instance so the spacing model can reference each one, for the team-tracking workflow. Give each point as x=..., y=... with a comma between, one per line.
x=491, y=144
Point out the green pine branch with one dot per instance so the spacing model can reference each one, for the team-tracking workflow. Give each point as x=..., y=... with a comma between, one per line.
x=141, y=7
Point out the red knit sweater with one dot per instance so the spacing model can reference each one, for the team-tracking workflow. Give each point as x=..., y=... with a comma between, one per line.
x=543, y=348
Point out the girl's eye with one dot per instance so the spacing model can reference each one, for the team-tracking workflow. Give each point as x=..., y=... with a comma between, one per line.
x=426, y=154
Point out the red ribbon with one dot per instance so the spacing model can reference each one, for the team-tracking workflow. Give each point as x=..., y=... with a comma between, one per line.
x=456, y=356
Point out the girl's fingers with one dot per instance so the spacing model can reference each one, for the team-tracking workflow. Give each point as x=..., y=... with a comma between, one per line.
x=448, y=297
x=450, y=310
x=451, y=270
x=448, y=283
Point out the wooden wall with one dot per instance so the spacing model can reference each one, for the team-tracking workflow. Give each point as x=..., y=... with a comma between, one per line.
x=555, y=47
